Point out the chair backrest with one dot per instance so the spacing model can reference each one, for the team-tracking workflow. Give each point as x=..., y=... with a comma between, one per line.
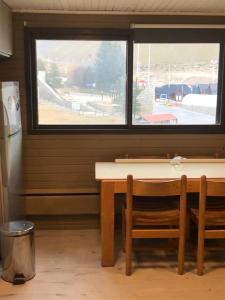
x=135, y=187
x=208, y=187
x=211, y=187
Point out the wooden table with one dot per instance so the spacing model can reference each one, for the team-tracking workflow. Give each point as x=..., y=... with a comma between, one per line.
x=113, y=180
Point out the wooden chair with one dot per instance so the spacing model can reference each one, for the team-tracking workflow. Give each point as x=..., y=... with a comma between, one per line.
x=209, y=156
x=209, y=216
x=140, y=219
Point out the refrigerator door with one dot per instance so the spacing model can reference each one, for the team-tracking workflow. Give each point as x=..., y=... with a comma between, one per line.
x=11, y=107
x=10, y=153
x=14, y=205
x=2, y=207
x=3, y=165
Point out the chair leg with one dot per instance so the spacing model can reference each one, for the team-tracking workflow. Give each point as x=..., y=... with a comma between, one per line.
x=200, y=252
x=123, y=230
x=171, y=242
x=182, y=235
x=128, y=256
x=188, y=225
x=128, y=253
x=181, y=251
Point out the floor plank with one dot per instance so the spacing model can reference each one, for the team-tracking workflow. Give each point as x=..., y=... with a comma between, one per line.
x=68, y=267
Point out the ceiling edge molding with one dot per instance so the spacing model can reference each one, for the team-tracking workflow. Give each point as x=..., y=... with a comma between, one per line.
x=200, y=26
x=101, y=12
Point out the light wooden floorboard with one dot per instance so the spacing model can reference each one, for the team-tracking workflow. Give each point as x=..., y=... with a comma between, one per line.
x=68, y=267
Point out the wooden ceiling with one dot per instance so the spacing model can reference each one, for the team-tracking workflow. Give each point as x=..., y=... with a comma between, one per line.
x=192, y=7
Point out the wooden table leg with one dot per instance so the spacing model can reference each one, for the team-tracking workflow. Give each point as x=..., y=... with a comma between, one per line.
x=107, y=223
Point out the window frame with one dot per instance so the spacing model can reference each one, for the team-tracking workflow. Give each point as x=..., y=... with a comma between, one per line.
x=130, y=36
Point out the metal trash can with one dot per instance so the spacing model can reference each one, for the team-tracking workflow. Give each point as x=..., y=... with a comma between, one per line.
x=18, y=252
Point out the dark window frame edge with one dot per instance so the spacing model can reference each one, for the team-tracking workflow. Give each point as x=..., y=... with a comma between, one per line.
x=32, y=34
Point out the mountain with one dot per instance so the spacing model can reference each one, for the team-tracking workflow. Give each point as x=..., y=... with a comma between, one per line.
x=176, y=53
x=68, y=52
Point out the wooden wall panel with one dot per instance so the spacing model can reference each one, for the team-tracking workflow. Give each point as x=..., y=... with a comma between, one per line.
x=66, y=162
x=62, y=205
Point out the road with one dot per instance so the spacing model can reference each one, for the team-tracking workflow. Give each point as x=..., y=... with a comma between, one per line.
x=184, y=116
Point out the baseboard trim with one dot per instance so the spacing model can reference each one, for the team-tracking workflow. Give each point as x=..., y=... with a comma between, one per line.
x=65, y=222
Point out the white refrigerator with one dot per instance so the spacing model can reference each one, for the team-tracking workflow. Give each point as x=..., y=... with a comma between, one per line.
x=11, y=200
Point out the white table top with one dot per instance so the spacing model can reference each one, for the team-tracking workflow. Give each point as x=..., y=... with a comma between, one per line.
x=159, y=170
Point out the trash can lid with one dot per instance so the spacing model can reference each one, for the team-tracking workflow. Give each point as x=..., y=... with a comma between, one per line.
x=17, y=228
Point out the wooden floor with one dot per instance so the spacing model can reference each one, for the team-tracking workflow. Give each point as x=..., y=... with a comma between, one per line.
x=68, y=267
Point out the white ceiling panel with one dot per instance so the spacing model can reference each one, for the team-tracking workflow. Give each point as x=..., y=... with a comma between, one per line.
x=207, y=7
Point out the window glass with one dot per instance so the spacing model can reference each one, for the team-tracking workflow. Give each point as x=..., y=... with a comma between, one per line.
x=175, y=84
x=81, y=82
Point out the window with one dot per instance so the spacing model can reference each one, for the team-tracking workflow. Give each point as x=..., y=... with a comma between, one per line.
x=175, y=83
x=78, y=83
x=137, y=80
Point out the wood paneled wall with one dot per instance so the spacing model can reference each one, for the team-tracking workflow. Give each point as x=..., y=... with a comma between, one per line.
x=65, y=163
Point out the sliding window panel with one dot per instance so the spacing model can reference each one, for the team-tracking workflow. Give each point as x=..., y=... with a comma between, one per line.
x=178, y=80
x=81, y=82
x=175, y=83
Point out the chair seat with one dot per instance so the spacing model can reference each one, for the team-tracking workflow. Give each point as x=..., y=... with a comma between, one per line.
x=156, y=217
x=155, y=204
x=213, y=216
x=155, y=212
